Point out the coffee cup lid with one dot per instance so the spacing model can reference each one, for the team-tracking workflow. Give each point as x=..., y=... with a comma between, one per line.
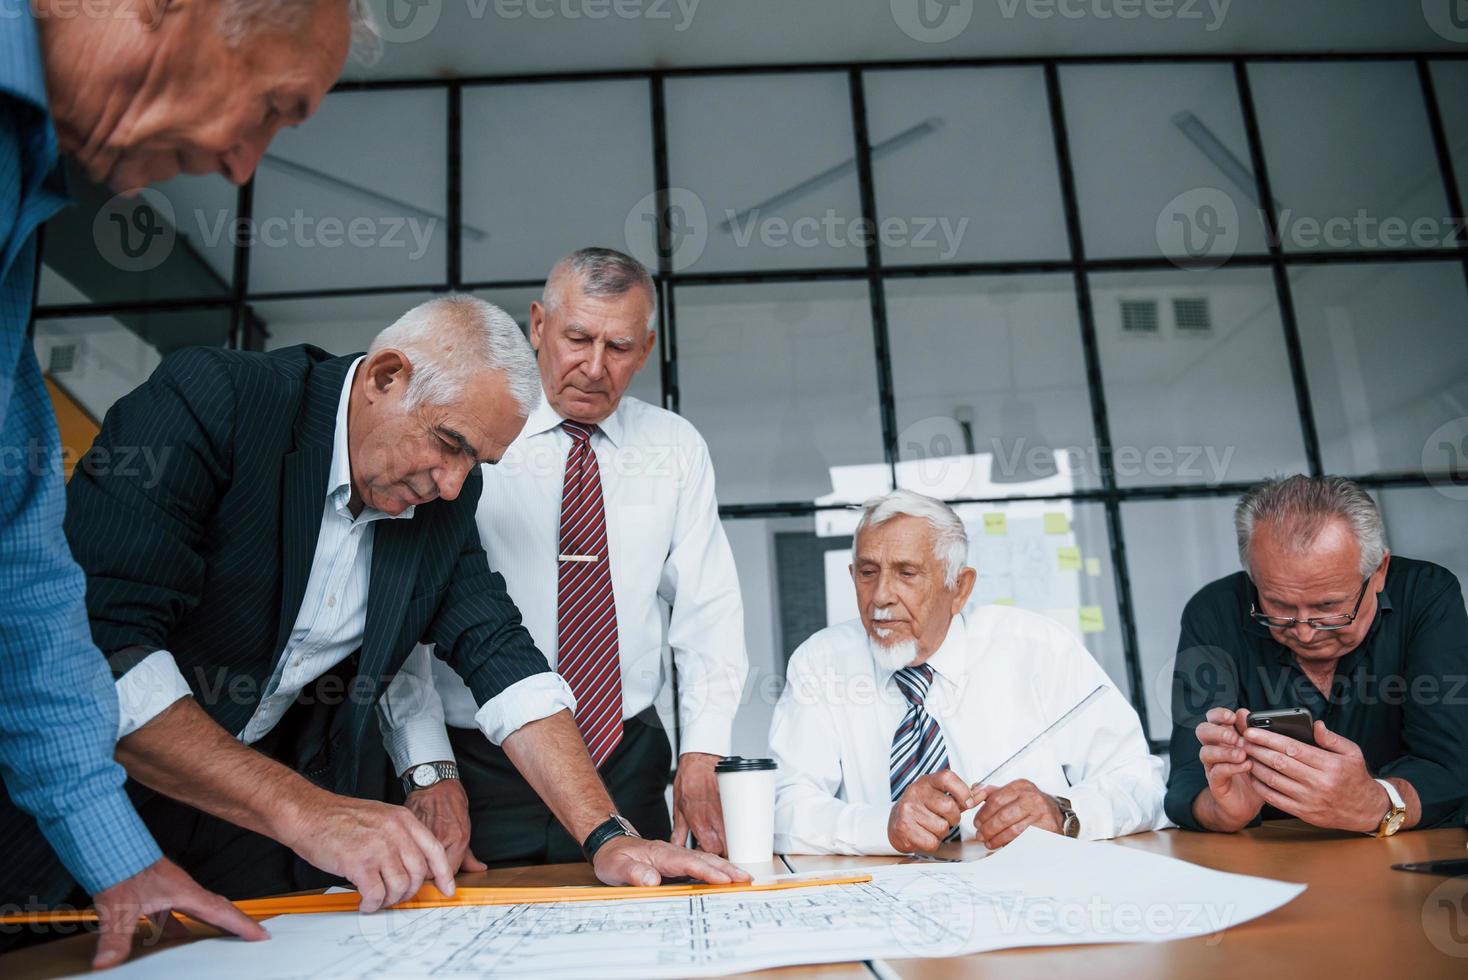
x=736, y=763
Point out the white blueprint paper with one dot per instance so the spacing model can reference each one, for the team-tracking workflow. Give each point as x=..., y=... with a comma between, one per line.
x=1041, y=890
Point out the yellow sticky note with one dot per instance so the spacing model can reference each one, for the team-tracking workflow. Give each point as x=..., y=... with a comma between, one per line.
x=1093, y=567
x=996, y=524
x=1002, y=602
x=1070, y=558
x=1091, y=620
x=1056, y=523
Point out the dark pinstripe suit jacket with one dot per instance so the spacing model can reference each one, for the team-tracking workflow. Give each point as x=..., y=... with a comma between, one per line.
x=211, y=562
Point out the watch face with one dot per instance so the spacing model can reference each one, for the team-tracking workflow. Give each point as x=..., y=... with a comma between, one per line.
x=1395, y=821
x=425, y=775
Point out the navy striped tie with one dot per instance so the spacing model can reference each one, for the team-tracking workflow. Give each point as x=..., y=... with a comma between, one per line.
x=917, y=745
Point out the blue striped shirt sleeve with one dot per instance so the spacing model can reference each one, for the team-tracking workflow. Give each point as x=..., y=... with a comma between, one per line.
x=58, y=708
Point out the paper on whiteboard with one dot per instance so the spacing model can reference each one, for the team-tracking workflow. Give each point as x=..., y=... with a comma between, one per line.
x=1041, y=890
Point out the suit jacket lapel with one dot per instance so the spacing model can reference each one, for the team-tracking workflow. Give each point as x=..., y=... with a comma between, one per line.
x=303, y=490
x=396, y=549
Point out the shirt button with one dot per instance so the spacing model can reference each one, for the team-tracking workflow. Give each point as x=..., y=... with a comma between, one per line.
x=331, y=602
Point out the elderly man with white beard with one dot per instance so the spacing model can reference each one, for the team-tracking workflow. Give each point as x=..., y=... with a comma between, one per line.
x=886, y=719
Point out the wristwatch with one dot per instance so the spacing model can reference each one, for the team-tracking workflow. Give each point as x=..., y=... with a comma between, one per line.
x=616, y=826
x=424, y=776
x=1070, y=824
x=1396, y=812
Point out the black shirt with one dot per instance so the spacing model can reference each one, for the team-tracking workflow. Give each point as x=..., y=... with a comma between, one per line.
x=1402, y=695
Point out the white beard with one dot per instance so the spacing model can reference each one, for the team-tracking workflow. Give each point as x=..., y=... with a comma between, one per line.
x=893, y=656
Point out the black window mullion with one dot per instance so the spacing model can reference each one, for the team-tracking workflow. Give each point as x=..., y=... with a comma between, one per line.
x=1444, y=155
x=1283, y=293
x=1096, y=385
x=881, y=342
x=667, y=319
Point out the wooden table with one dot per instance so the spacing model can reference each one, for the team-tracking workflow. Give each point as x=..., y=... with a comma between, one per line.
x=1357, y=918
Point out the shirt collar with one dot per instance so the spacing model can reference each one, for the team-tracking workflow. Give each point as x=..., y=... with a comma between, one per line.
x=545, y=418
x=339, y=477
x=22, y=73
x=950, y=660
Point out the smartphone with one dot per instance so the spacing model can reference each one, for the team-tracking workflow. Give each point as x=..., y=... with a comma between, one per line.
x=1294, y=722
x=1452, y=868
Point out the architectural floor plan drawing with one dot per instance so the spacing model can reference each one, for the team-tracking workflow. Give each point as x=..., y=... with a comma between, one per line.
x=1041, y=890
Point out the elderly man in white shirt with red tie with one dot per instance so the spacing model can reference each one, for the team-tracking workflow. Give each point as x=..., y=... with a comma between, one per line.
x=887, y=722
x=603, y=520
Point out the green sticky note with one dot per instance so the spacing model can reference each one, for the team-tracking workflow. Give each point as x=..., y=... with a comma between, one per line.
x=1093, y=567
x=996, y=524
x=1002, y=602
x=1070, y=558
x=1056, y=523
x=1091, y=620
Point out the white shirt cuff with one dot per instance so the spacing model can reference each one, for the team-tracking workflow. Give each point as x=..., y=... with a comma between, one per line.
x=537, y=696
x=1093, y=810
x=143, y=692
x=708, y=733
x=416, y=741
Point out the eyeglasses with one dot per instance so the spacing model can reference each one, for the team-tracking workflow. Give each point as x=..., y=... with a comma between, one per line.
x=1326, y=623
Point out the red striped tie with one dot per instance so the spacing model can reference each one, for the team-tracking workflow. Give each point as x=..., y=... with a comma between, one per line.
x=586, y=611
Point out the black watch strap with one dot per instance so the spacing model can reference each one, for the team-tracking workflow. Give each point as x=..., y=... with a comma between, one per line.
x=615, y=826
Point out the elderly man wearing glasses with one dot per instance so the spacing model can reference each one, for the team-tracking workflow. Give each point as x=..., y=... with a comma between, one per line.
x=1323, y=618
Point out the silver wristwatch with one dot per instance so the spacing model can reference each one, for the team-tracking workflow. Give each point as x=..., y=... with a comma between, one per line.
x=424, y=776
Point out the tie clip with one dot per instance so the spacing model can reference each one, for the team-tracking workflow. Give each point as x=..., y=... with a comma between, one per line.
x=580, y=558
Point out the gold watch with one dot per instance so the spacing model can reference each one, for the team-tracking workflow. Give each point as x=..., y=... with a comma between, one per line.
x=1396, y=813
x=1070, y=824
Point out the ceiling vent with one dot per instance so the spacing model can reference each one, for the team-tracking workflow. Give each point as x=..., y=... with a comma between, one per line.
x=1191, y=316
x=62, y=359
x=1139, y=317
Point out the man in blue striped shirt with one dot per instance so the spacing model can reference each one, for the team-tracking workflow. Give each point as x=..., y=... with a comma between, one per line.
x=135, y=97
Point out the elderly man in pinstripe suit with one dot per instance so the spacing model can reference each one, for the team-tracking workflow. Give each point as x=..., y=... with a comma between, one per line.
x=314, y=521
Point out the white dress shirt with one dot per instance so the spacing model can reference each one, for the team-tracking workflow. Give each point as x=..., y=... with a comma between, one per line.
x=670, y=562
x=1000, y=678
x=329, y=626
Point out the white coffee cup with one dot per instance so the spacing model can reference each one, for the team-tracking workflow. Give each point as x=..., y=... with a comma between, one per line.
x=747, y=792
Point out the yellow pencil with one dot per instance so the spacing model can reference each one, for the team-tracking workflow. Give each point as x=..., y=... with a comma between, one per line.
x=429, y=897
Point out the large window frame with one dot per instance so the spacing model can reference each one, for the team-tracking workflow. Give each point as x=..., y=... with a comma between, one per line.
x=246, y=331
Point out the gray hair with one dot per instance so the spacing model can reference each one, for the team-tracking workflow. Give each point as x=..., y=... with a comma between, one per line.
x=239, y=20
x=600, y=272
x=950, y=540
x=1299, y=507
x=449, y=339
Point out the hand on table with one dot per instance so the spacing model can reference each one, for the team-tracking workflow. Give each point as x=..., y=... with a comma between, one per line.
x=634, y=861
x=1229, y=767
x=384, y=850
x=928, y=809
x=696, y=806
x=444, y=809
x=160, y=888
x=1011, y=808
